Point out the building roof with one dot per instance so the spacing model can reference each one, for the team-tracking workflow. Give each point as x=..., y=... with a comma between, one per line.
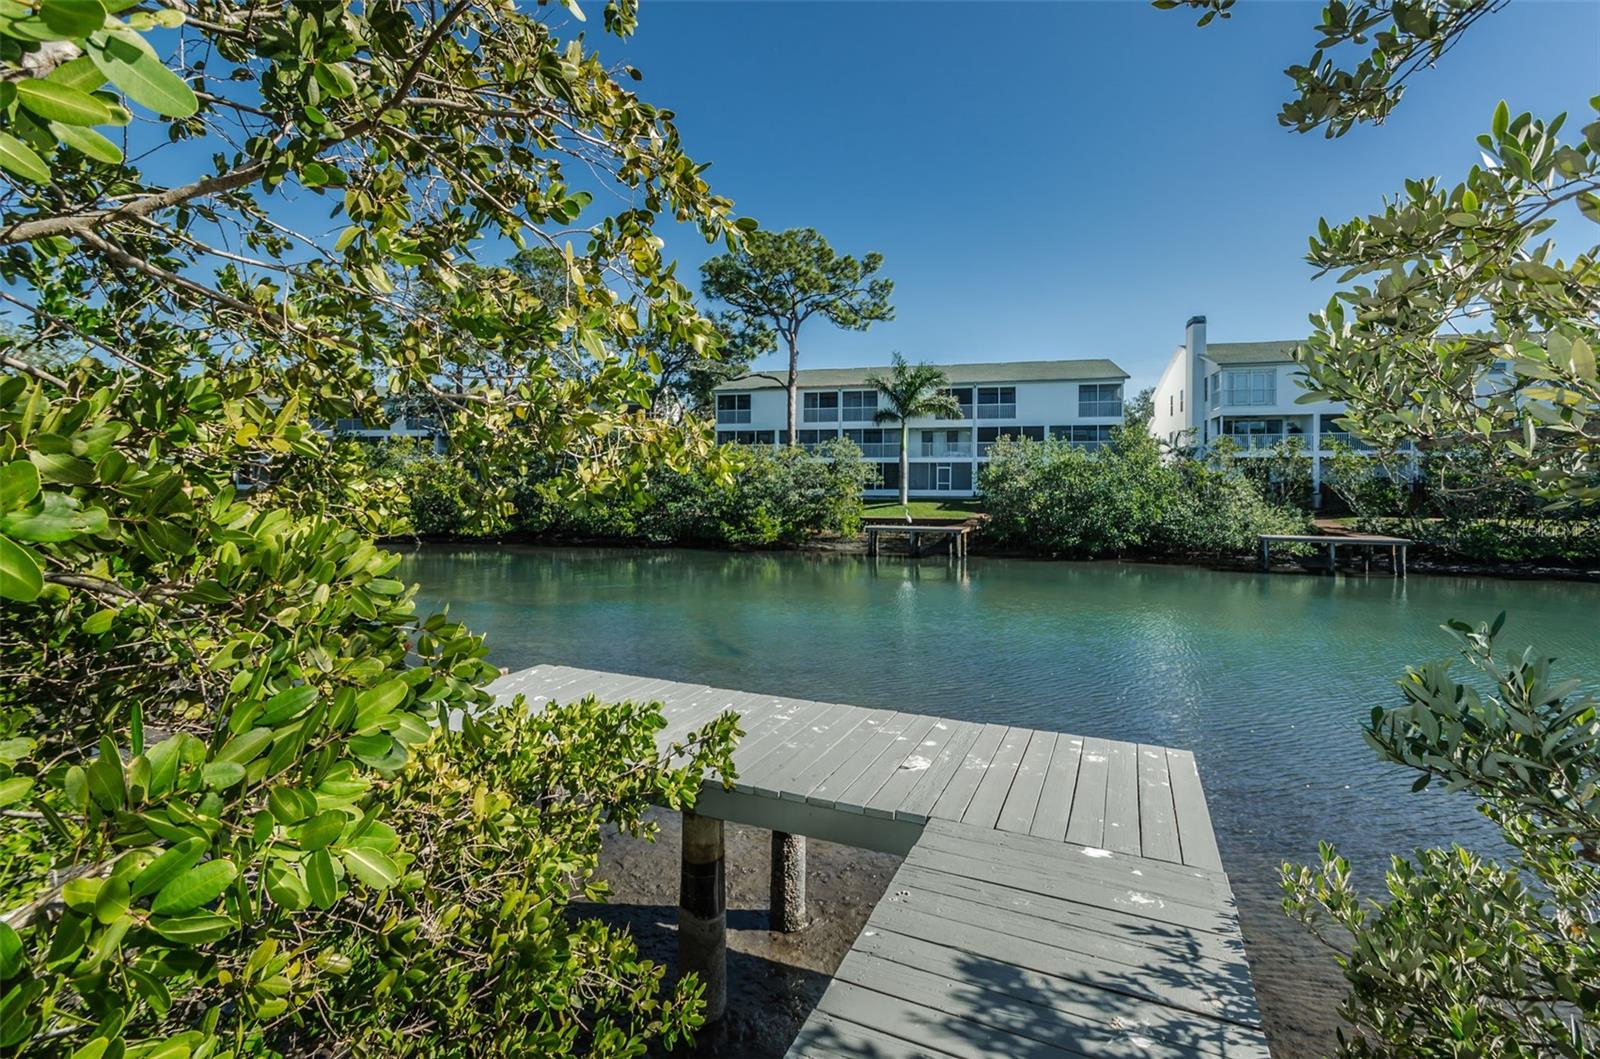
x=992, y=372
x=1250, y=352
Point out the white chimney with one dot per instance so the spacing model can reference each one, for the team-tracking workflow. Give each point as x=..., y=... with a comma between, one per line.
x=1194, y=342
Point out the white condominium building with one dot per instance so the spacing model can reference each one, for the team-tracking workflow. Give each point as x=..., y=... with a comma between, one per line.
x=1245, y=391
x=1078, y=400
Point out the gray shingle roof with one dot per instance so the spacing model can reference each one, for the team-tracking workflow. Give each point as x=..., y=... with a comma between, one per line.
x=1250, y=352
x=993, y=372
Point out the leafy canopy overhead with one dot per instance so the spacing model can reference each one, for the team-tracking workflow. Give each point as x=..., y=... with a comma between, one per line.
x=1401, y=38
x=238, y=818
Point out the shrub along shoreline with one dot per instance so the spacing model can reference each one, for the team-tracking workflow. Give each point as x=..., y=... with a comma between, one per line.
x=1126, y=501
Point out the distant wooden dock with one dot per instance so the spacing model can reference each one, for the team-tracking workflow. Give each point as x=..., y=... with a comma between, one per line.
x=1333, y=542
x=1060, y=895
x=953, y=536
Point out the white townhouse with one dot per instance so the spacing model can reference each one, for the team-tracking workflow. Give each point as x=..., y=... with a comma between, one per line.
x=1246, y=391
x=1078, y=400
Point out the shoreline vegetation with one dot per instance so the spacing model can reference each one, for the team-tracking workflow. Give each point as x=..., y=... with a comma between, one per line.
x=1129, y=501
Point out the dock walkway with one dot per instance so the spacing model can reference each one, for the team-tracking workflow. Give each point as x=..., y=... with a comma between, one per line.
x=1334, y=541
x=1061, y=896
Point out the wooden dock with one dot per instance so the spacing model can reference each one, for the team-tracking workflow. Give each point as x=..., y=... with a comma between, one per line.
x=1333, y=542
x=953, y=535
x=1061, y=896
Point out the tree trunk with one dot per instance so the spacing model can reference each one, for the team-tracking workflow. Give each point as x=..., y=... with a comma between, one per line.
x=793, y=387
x=905, y=464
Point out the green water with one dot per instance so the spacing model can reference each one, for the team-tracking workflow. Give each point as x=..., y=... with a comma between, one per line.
x=1265, y=677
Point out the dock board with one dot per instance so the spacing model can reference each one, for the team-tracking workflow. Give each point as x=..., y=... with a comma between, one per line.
x=1060, y=896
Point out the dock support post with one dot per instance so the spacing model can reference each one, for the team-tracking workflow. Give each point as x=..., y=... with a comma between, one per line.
x=1402, y=562
x=1266, y=556
x=1333, y=557
x=702, y=911
x=787, y=894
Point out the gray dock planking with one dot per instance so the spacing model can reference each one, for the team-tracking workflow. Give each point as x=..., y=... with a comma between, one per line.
x=1060, y=896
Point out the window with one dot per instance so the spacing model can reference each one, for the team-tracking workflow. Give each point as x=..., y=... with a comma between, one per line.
x=997, y=402
x=1170, y=408
x=1249, y=387
x=1033, y=433
x=733, y=408
x=810, y=439
x=963, y=396
x=1180, y=400
x=888, y=476
x=820, y=407
x=1100, y=399
x=1084, y=435
x=875, y=442
x=1091, y=437
x=860, y=405
x=987, y=436
x=744, y=437
x=943, y=443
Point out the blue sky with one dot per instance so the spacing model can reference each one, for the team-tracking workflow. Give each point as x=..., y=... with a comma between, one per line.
x=1067, y=179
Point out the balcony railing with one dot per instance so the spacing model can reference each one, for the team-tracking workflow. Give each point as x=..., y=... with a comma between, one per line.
x=947, y=448
x=997, y=411
x=879, y=449
x=1349, y=440
x=1246, y=442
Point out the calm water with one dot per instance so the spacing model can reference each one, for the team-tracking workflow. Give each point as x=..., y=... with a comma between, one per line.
x=1265, y=677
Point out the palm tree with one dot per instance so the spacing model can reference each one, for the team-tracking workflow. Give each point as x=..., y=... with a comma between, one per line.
x=910, y=391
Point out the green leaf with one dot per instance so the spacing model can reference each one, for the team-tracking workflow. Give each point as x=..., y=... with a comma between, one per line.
x=73, y=19
x=194, y=930
x=14, y=789
x=320, y=879
x=10, y=951
x=286, y=887
x=246, y=747
x=371, y=867
x=194, y=888
x=21, y=578
x=168, y=866
x=81, y=73
x=323, y=829
x=290, y=805
x=17, y=157
x=220, y=775
x=111, y=900
x=374, y=703
x=285, y=704
x=54, y=101
x=58, y=518
x=132, y=65
x=19, y=484
x=87, y=142
x=60, y=467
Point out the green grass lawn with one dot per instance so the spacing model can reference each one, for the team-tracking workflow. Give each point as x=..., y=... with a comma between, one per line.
x=882, y=509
